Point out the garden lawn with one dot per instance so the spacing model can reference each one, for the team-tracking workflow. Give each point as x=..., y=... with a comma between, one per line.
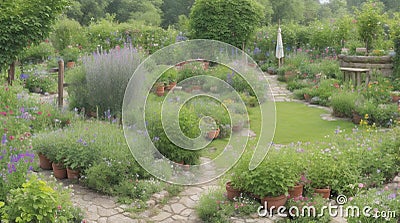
x=295, y=122
x=298, y=122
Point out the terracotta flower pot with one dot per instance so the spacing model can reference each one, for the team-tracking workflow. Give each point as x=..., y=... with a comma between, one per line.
x=274, y=201
x=73, y=174
x=70, y=64
x=325, y=192
x=170, y=86
x=356, y=118
x=231, y=193
x=213, y=134
x=44, y=162
x=395, y=98
x=307, y=97
x=296, y=191
x=160, y=91
x=206, y=64
x=59, y=171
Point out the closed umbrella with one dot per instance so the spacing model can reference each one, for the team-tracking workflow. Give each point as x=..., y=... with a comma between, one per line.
x=279, y=47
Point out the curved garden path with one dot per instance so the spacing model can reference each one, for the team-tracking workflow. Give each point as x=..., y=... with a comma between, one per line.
x=161, y=208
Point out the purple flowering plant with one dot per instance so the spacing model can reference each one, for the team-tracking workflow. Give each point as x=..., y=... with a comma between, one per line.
x=385, y=199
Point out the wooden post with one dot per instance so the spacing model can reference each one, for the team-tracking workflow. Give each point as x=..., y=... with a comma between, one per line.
x=60, y=83
x=11, y=73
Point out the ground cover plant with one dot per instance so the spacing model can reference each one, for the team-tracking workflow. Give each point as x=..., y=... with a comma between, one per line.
x=22, y=116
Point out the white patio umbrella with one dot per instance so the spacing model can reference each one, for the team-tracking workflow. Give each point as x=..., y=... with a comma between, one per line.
x=279, y=47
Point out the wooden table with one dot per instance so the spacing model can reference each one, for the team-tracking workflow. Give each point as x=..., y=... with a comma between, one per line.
x=354, y=74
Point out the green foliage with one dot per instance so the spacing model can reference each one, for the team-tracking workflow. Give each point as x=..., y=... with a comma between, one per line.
x=273, y=177
x=210, y=210
x=173, y=10
x=370, y=22
x=107, y=34
x=232, y=21
x=138, y=190
x=37, y=201
x=107, y=76
x=320, y=214
x=43, y=82
x=378, y=114
x=67, y=33
x=396, y=60
x=288, y=10
x=38, y=53
x=22, y=23
x=78, y=93
x=343, y=104
x=214, y=207
x=70, y=54
x=378, y=200
x=188, y=125
x=326, y=165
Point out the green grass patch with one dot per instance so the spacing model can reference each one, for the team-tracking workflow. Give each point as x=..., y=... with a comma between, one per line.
x=295, y=122
x=298, y=122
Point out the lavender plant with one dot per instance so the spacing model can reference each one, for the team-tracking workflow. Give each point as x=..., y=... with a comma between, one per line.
x=107, y=75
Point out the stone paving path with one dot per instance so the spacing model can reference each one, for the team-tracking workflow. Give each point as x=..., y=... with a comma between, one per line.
x=181, y=208
x=279, y=91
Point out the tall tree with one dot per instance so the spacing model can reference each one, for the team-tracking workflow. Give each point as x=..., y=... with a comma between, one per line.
x=311, y=9
x=92, y=10
x=268, y=11
x=230, y=21
x=289, y=10
x=172, y=9
x=24, y=22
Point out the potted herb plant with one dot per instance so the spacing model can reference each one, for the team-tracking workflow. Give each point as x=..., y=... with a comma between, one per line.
x=70, y=56
x=170, y=78
x=79, y=155
x=271, y=179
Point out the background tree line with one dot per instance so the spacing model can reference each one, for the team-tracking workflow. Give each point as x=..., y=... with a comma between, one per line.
x=174, y=12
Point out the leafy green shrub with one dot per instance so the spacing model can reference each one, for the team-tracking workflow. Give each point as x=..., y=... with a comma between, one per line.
x=188, y=125
x=378, y=114
x=38, y=53
x=67, y=33
x=214, y=207
x=44, y=82
x=297, y=84
x=330, y=68
x=109, y=34
x=210, y=209
x=70, y=54
x=369, y=20
x=343, y=104
x=278, y=171
x=37, y=201
x=78, y=94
